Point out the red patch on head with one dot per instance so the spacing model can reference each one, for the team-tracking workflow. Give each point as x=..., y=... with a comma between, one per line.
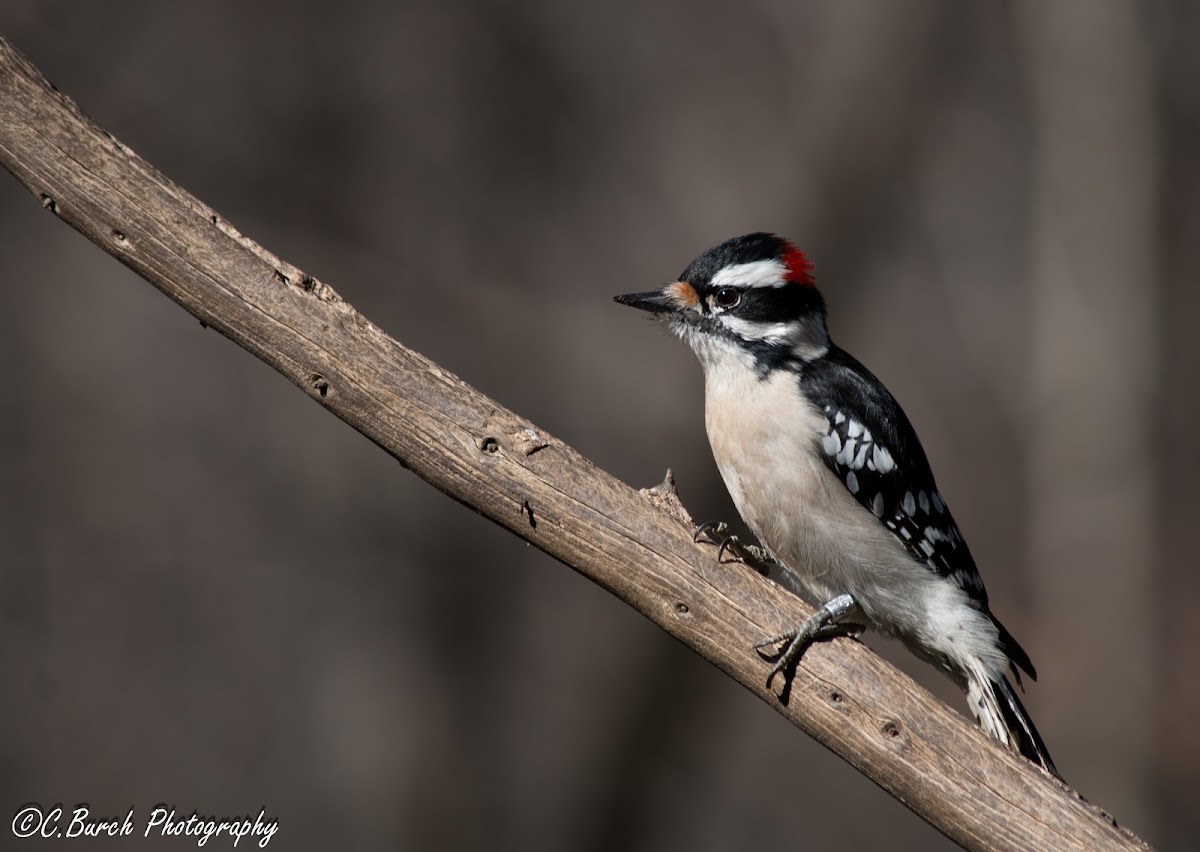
x=800, y=268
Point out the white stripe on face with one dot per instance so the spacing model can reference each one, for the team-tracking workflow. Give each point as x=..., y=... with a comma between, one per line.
x=758, y=273
x=751, y=330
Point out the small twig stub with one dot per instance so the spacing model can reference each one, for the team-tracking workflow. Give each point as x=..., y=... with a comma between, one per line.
x=528, y=441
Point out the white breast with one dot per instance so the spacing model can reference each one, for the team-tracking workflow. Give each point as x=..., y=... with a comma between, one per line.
x=763, y=433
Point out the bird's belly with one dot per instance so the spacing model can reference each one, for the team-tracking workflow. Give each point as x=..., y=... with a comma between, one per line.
x=763, y=439
x=777, y=498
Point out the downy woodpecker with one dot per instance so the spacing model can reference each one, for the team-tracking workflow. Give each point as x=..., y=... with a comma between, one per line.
x=826, y=470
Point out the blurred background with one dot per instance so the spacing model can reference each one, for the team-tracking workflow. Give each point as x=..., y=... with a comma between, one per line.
x=214, y=594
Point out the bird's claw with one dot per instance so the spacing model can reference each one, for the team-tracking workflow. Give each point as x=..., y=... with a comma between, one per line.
x=785, y=650
x=717, y=532
x=788, y=647
x=787, y=656
x=733, y=545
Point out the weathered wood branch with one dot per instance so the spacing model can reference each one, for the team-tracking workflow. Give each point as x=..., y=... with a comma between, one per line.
x=638, y=545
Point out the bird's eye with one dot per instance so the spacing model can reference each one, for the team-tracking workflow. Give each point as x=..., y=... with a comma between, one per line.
x=728, y=297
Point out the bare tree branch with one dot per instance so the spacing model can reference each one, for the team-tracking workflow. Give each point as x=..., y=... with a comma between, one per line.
x=638, y=545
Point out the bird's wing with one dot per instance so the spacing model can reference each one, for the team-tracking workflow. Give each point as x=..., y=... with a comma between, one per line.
x=874, y=451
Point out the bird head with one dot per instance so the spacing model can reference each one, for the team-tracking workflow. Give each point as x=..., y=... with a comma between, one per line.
x=752, y=295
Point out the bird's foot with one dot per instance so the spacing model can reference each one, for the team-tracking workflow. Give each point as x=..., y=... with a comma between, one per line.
x=717, y=532
x=787, y=648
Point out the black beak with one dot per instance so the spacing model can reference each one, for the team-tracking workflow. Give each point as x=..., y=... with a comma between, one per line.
x=656, y=301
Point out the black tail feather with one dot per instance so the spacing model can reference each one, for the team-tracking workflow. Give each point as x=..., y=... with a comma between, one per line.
x=1021, y=727
x=1019, y=659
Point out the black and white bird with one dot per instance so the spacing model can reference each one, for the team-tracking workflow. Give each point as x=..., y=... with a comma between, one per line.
x=826, y=470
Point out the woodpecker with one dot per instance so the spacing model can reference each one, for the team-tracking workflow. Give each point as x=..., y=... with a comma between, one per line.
x=829, y=475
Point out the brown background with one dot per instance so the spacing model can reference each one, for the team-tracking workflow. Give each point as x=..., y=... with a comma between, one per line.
x=215, y=595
